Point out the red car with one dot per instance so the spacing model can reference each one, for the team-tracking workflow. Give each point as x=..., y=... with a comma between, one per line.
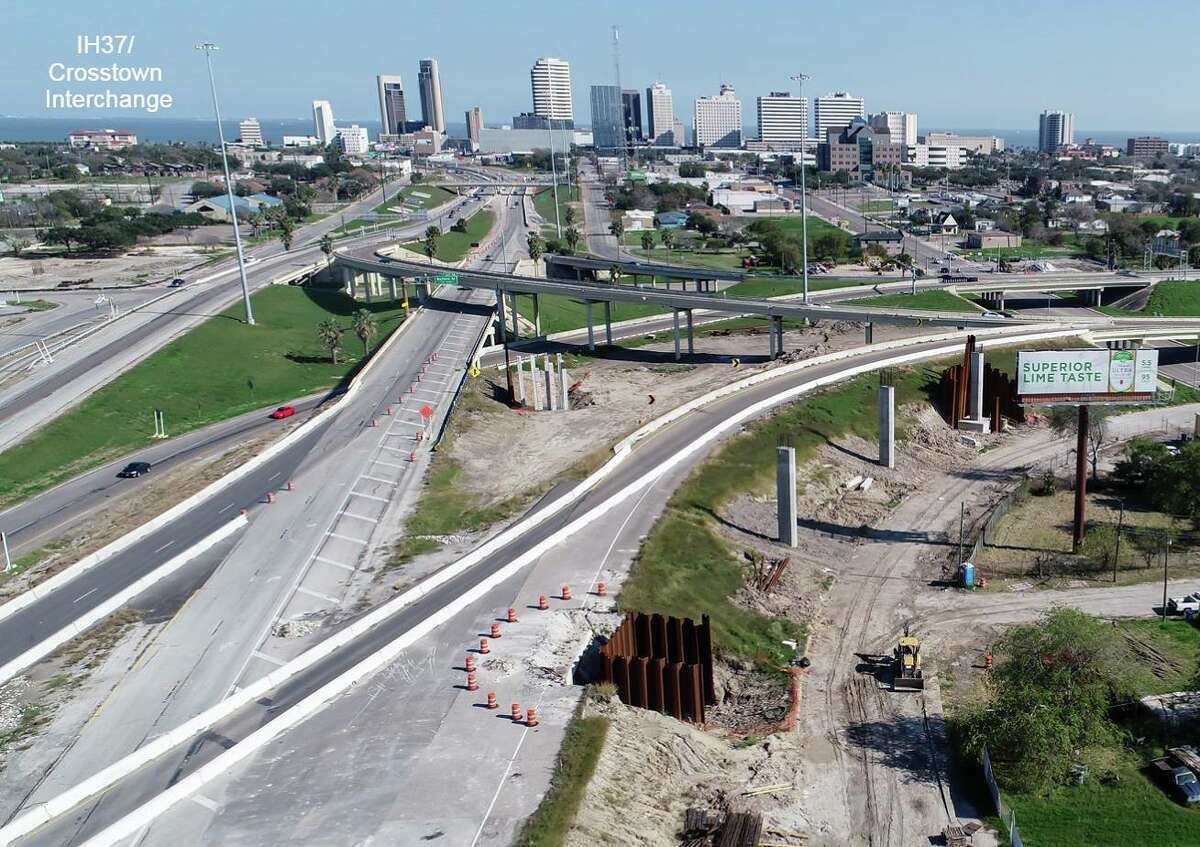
x=283, y=412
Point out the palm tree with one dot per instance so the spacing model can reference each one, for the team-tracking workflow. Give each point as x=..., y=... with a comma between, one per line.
x=572, y=237
x=668, y=241
x=648, y=242
x=535, y=245
x=614, y=274
x=568, y=215
x=365, y=328
x=327, y=247
x=286, y=228
x=429, y=243
x=904, y=262
x=330, y=333
x=617, y=229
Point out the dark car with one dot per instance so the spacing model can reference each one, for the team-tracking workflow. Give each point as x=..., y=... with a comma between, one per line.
x=283, y=412
x=178, y=282
x=134, y=469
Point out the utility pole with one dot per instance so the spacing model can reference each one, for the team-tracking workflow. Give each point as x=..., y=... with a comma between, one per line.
x=1117, y=552
x=208, y=47
x=1166, y=560
x=1081, y=444
x=799, y=80
x=554, y=175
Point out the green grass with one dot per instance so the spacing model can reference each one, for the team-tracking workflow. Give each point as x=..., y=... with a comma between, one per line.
x=1176, y=298
x=560, y=314
x=453, y=246
x=1028, y=250
x=36, y=305
x=220, y=369
x=543, y=203
x=1123, y=811
x=686, y=568
x=577, y=758
x=778, y=286
x=407, y=198
x=935, y=300
x=31, y=717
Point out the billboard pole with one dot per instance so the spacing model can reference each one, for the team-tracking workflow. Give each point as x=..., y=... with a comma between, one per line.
x=1081, y=443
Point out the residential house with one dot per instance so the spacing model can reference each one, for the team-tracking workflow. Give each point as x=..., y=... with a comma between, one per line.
x=637, y=219
x=217, y=208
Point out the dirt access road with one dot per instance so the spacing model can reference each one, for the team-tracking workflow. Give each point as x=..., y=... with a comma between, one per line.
x=875, y=761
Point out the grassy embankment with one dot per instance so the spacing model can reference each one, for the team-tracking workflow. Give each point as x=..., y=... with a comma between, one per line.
x=685, y=567
x=220, y=369
x=1171, y=299
x=413, y=198
x=568, y=196
x=935, y=300
x=452, y=246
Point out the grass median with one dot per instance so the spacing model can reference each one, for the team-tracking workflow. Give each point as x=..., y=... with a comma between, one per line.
x=218, y=370
x=453, y=245
x=577, y=758
x=934, y=301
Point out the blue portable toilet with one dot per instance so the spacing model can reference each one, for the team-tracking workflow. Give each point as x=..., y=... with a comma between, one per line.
x=967, y=571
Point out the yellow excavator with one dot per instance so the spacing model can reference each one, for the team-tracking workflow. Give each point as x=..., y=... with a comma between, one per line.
x=906, y=664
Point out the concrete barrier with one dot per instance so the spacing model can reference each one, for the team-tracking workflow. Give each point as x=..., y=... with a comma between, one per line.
x=97, y=613
x=39, y=815
x=123, y=543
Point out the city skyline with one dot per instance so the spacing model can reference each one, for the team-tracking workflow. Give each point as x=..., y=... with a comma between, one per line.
x=945, y=92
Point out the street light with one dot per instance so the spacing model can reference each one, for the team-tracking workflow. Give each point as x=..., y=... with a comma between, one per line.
x=208, y=47
x=799, y=80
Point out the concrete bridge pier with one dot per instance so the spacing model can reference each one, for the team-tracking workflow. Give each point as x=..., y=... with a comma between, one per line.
x=776, y=336
x=537, y=315
x=675, y=316
x=564, y=403
x=785, y=492
x=347, y=279
x=608, y=323
x=887, y=426
x=869, y=333
x=392, y=288
x=500, y=317
x=587, y=305
x=690, y=337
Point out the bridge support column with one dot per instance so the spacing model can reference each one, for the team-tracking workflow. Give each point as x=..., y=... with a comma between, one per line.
x=869, y=333
x=347, y=279
x=771, y=339
x=501, y=320
x=785, y=494
x=777, y=332
x=675, y=315
x=516, y=316
x=887, y=426
x=1000, y=301
x=564, y=400
x=369, y=283
x=587, y=306
x=608, y=323
x=392, y=287
x=521, y=380
x=537, y=315
x=690, y=336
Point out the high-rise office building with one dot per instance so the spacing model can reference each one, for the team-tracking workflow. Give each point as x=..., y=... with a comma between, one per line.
x=323, y=127
x=550, y=79
x=631, y=107
x=718, y=120
x=782, y=118
x=431, y=95
x=474, y=126
x=1147, y=147
x=392, y=115
x=836, y=111
x=1055, y=129
x=250, y=131
x=660, y=115
x=607, y=117
x=352, y=140
x=901, y=125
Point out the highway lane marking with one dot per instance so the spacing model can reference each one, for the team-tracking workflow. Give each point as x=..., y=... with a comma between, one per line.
x=81, y=596
x=325, y=561
x=388, y=464
x=405, y=423
x=346, y=514
x=504, y=777
x=617, y=535
x=165, y=546
x=226, y=508
x=201, y=800
x=274, y=476
x=357, y=541
x=369, y=496
x=317, y=595
x=379, y=480
x=258, y=654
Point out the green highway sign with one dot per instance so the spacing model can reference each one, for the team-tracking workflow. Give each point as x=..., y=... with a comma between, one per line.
x=446, y=279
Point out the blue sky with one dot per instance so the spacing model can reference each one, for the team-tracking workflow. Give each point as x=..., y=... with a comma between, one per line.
x=1116, y=65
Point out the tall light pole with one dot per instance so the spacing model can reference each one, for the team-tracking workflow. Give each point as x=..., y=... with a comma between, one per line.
x=799, y=80
x=554, y=175
x=208, y=47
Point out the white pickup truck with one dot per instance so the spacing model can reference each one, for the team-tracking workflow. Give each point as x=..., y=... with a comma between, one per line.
x=1181, y=605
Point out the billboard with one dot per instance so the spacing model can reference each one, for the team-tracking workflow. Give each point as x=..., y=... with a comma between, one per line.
x=1087, y=376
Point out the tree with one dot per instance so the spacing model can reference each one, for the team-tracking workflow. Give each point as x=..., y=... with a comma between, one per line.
x=568, y=215
x=286, y=233
x=330, y=333
x=202, y=189
x=905, y=263
x=648, y=241
x=614, y=273
x=1064, y=420
x=572, y=237
x=327, y=247
x=535, y=245
x=365, y=328
x=617, y=229
x=1151, y=541
x=19, y=246
x=667, y=237
x=429, y=244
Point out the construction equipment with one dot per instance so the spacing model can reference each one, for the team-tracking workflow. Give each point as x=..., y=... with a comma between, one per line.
x=906, y=664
